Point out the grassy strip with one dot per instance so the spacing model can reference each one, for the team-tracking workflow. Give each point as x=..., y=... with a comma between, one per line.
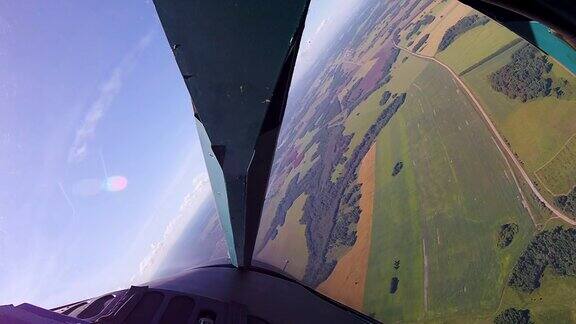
x=491, y=56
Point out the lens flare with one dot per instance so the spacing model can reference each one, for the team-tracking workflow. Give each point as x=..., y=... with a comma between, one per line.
x=115, y=183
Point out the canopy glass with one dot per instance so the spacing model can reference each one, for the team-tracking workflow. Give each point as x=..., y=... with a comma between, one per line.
x=102, y=180
x=425, y=169
x=424, y=149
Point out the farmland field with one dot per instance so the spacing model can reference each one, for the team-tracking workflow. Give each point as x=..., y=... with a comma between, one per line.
x=287, y=250
x=559, y=174
x=553, y=302
x=466, y=49
x=537, y=129
x=465, y=164
x=438, y=200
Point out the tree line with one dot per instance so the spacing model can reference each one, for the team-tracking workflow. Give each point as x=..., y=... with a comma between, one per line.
x=554, y=249
x=506, y=234
x=567, y=202
x=419, y=24
x=421, y=42
x=463, y=25
x=514, y=316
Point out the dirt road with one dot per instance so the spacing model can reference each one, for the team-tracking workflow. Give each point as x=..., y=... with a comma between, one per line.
x=425, y=275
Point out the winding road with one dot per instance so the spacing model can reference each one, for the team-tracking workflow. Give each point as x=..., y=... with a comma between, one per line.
x=496, y=135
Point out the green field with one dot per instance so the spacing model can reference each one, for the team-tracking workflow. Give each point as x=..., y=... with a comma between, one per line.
x=362, y=117
x=553, y=302
x=537, y=129
x=403, y=74
x=559, y=174
x=453, y=195
x=475, y=45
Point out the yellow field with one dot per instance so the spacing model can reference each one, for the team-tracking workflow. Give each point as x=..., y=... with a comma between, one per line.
x=346, y=283
x=445, y=19
x=288, y=250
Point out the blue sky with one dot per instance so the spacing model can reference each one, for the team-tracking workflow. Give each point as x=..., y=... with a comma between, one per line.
x=89, y=91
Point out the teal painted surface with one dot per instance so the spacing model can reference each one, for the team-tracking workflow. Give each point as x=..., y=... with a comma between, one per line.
x=554, y=46
x=219, y=190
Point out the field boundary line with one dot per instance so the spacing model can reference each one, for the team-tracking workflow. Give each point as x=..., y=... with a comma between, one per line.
x=525, y=203
x=555, y=155
x=489, y=58
x=544, y=184
x=564, y=146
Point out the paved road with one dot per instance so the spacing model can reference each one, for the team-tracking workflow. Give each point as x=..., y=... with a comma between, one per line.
x=496, y=135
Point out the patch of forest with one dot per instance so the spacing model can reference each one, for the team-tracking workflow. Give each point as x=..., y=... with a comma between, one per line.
x=555, y=249
x=506, y=234
x=463, y=25
x=567, y=202
x=421, y=42
x=524, y=77
x=419, y=24
x=513, y=316
x=330, y=202
x=394, y=285
x=331, y=210
x=560, y=88
x=360, y=91
x=385, y=96
x=397, y=168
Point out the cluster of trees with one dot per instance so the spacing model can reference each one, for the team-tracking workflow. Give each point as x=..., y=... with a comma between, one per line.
x=555, y=249
x=349, y=213
x=344, y=233
x=567, y=202
x=506, y=234
x=395, y=280
x=514, y=316
x=560, y=88
x=397, y=168
x=283, y=207
x=463, y=25
x=394, y=285
x=419, y=24
x=356, y=96
x=329, y=201
x=385, y=96
x=523, y=78
x=331, y=210
x=421, y=42
x=353, y=194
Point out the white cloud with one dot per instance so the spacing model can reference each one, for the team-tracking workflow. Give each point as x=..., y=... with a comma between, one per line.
x=197, y=196
x=108, y=92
